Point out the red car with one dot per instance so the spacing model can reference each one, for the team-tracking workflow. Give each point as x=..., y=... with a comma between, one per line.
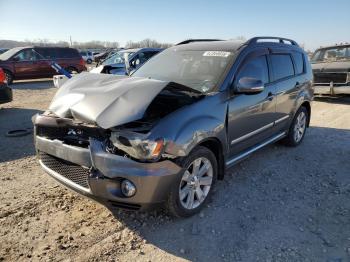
x=34, y=62
x=5, y=91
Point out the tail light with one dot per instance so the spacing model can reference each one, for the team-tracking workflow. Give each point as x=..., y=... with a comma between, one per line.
x=82, y=62
x=2, y=76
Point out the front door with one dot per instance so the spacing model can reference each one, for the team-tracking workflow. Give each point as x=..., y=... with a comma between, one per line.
x=251, y=116
x=26, y=64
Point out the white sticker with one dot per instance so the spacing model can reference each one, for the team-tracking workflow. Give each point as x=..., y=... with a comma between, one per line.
x=216, y=53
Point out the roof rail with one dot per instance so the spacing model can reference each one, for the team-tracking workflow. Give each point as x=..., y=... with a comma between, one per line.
x=282, y=40
x=197, y=40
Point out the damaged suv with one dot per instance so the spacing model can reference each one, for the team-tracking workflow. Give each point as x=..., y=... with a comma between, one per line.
x=331, y=68
x=168, y=132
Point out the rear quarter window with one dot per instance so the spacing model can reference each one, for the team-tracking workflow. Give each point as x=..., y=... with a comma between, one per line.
x=282, y=66
x=299, y=62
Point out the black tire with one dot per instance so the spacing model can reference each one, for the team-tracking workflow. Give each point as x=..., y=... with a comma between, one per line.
x=8, y=77
x=89, y=61
x=290, y=139
x=173, y=204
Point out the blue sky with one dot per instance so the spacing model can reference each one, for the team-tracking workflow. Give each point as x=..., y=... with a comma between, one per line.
x=312, y=23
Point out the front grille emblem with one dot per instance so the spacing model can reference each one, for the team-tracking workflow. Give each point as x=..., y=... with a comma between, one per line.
x=72, y=132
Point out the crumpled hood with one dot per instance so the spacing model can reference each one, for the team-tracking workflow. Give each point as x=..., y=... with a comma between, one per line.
x=106, y=100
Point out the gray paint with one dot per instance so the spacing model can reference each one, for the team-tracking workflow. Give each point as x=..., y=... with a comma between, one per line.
x=105, y=100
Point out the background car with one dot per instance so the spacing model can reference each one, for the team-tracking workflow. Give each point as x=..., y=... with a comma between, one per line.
x=35, y=62
x=116, y=64
x=3, y=50
x=87, y=56
x=331, y=69
x=5, y=91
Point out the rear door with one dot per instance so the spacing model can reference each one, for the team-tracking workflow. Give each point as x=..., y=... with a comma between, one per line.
x=251, y=116
x=286, y=84
x=47, y=55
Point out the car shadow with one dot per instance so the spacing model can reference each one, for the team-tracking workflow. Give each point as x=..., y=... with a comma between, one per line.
x=12, y=148
x=345, y=100
x=33, y=84
x=265, y=207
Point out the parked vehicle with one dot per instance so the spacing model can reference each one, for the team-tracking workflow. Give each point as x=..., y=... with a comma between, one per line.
x=87, y=56
x=25, y=63
x=103, y=55
x=168, y=132
x=116, y=64
x=331, y=68
x=3, y=50
x=5, y=91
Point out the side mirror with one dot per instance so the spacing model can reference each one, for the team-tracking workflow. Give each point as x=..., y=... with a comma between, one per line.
x=249, y=85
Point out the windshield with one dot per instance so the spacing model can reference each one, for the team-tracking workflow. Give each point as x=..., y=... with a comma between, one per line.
x=116, y=58
x=331, y=54
x=199, y=70
x=9, y=53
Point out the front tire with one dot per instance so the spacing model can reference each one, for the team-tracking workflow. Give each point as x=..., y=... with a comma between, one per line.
x=298, y=127
x=194, y=186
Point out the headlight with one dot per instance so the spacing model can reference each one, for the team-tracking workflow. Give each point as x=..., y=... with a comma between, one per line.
x=138, y=146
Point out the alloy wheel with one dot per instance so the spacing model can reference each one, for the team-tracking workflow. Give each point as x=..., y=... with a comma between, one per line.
x=299, y=127
x=196, y=183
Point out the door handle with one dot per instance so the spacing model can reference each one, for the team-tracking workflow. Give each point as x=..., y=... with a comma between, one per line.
x=270, y=96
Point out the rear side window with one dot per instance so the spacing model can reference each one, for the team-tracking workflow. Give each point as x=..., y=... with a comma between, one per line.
x=255, y=68
x=282, y=66
x=67, y=53
x=299, y=62
x=47, y=53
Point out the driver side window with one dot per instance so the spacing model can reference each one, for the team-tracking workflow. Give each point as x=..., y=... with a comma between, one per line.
x=255, y=68
x=26, y=55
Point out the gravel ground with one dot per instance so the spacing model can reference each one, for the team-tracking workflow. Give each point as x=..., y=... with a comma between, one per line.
x=281, y=204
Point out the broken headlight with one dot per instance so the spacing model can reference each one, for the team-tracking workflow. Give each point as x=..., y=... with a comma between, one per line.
x=137, y=145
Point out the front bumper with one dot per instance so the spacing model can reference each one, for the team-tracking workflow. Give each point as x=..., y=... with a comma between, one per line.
x=5, y=94
x=331, y=89
x=97, y=174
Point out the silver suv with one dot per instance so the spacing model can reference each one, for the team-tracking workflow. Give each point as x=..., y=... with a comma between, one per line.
x=168, y=132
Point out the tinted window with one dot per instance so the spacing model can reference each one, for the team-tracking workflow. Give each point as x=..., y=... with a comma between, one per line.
x=255, y=68
x=47, y=53
x=299, y=62
x=282, y=66
x=66, y=53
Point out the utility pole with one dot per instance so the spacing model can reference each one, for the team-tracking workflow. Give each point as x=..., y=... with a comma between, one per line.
x=70, y=39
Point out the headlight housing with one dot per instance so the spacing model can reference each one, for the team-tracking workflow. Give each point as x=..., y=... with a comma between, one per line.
x=137, y=145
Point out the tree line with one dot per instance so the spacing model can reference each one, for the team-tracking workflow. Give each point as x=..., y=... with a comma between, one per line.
x=84, y=45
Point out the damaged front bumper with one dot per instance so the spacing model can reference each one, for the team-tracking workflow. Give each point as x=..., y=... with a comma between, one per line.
x=96, y=173
x=331, y=88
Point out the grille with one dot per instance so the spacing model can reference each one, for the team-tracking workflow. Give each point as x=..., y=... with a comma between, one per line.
x=73, y=172
x=73, y=135
x=330, y=77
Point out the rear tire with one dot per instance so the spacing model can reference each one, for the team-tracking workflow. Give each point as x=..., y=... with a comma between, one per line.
x=194, y=185
x=298, y=127
x=8, y=77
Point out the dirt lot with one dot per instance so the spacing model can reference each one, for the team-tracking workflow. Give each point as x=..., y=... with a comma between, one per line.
x=281, y=204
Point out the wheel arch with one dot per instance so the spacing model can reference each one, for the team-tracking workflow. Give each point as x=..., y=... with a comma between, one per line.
x=214, y=145
x=307, y=105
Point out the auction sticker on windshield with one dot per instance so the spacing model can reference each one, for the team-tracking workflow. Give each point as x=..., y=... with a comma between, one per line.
x=216, y=53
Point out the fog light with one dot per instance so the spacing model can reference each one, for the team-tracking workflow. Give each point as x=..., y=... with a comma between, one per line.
x=128, y=188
